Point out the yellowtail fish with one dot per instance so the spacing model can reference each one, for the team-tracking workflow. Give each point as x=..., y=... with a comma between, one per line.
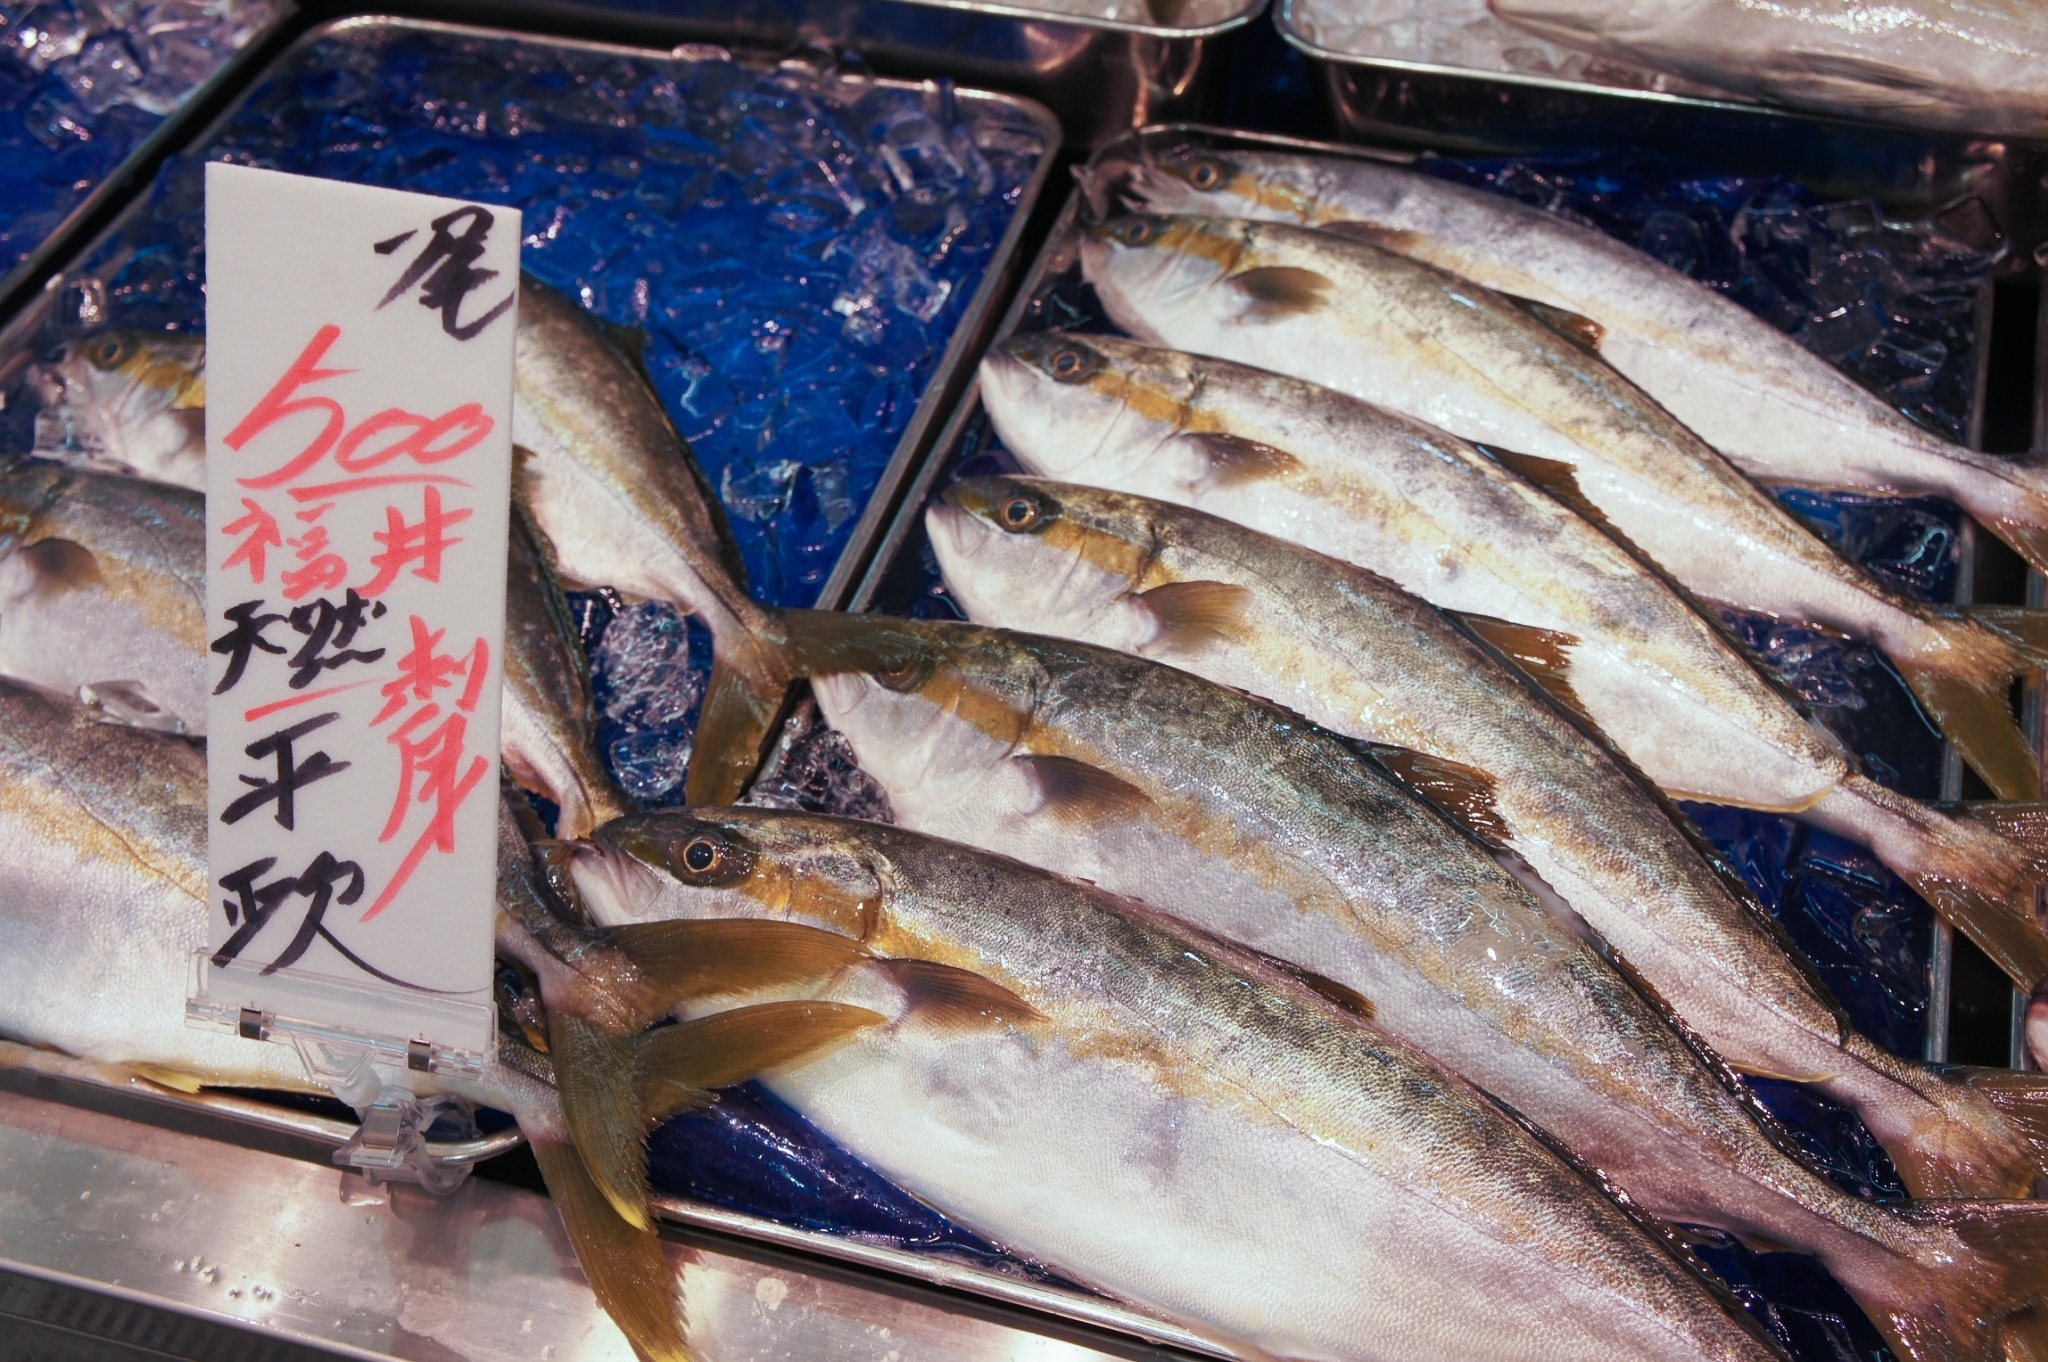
x=549, y=738
x=1236, y=816
x=128, y=401
x=1779, y=412
x=1434, y=514
x=1354, y=653
x=1164, y=1117
x=1962, y=65
x=616, y=492
x=1395, y=331
x=103, y=590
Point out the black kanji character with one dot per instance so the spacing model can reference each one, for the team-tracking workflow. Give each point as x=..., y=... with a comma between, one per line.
x=253, y=906
x=242, y=640
x=452, y=257
x=326, y=625
x=291, y=776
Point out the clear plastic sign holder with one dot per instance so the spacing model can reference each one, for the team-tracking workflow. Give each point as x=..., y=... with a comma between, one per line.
x=359, y=380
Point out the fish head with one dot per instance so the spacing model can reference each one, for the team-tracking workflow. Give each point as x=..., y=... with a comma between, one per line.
x=724, y=863
x=1204, y=180
x=145, y=370
x=933, y=709
x=1062, y=557
x=1147, y=266
x=1090, y=408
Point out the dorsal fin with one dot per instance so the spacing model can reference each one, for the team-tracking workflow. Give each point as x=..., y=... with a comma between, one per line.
x=1464, y=793
x=1543, y=654
x=956, y=999
x=1275, y=292
x=1235, y=460
x=1070, y=788
x=1194, y=614
x=1575, y=327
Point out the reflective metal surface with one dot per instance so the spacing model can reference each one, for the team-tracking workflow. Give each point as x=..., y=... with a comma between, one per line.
x=1102, y=77
x=171, y=1221
x=1457, y=111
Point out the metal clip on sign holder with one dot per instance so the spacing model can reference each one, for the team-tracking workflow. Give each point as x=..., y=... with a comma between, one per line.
x=368, y=1072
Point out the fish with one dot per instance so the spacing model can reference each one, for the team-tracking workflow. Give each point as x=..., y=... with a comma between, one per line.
x=1395, y=331
x=1238, y=817
x=1353, y=653
x=614, y=488
x=103, y=589
x=127, y=401
x=105, y=885
x=549, y=734
x=1779, y=412
x=1581, y=614
x=1162, y=1116
x=1955, y=65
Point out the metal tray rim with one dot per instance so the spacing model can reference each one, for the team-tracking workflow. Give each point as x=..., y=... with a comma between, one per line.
x=117, y=184
x=998, y=10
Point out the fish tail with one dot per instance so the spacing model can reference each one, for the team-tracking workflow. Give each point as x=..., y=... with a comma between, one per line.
x=1980, y=1300
x=1971, y=1132
x=602, y=1108
x=750, y=680
x=1963, y=684
x=1979, y=866
x=2027, y=538
x=628, y=1270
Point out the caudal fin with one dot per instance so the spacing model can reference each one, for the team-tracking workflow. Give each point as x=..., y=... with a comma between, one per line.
x=1971, y=711
x=1979, y=1284
x=1980, y=867
x=2028, y=540
x=628, y=1271
x=750, y=681
x=1973, y=1133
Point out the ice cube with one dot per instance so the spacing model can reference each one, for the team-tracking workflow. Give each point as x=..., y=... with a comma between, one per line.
x=102, y=75
x=45, y=36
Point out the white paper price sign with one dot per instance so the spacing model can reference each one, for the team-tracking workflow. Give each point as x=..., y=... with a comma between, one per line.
x=358, y=446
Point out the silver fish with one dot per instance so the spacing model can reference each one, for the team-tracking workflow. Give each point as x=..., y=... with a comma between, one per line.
x=1779, y=412
x=1356, y=654
x=1961, y=65
x=1164, y=1117
x=1404, y=334
x=128, y=401
x=616, y=492
x=1432, y=513
x=103, y=588
x=1233, y=815
x=549, y=735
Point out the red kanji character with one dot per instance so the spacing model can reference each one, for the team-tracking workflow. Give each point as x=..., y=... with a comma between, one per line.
x=434, y=760
x=261, y=528
x=322, y=569
x=423, y=542
x=422, y=671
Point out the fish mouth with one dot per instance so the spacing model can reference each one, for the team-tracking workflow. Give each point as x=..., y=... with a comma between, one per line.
x=614, y=885
x=839, y=694
x=1006, y=379
x=955, y=531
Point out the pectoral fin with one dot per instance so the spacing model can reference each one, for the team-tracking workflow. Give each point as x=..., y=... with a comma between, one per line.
x=1543, y=654
x=55, y=566
x=1275, y=292
x=726, y=956
x=1069, y=788
x=1194, y=614
x=1235, y=461
x=956, y=999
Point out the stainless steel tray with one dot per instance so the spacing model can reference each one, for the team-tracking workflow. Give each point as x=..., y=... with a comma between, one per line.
x=1101, y=76
x=1457, y=110
x=122, y=179
x=966, y=433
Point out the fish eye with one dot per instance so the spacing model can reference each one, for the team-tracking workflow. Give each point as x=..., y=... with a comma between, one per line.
x=1205, y=175
x=907, y=676
x=702, y=855
x=1018, y=513
x=108, y=353
x=1137, y=232
x=1068, y=363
